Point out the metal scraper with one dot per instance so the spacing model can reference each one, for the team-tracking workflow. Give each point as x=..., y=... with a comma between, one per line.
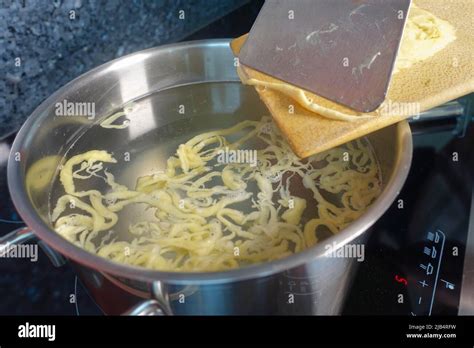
x=343, y=50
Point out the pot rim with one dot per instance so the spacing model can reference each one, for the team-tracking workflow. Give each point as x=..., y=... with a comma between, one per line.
x=24, y=207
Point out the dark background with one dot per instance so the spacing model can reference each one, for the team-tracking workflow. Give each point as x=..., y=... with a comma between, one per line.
x=54, y=48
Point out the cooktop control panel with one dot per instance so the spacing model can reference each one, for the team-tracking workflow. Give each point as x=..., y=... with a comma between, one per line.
x=416, y=252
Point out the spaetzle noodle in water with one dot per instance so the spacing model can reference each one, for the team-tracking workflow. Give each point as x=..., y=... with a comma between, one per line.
x=210, y=215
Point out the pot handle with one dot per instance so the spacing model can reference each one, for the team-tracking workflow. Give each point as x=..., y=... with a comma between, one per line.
x=146, y=308
x=160, y=305
x=24, y=235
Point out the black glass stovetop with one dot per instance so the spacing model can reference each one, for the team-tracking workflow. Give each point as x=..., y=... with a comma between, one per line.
x=415, y=255
x=413, y=260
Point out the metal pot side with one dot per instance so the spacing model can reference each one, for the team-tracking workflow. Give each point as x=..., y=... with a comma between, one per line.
x=305, y=283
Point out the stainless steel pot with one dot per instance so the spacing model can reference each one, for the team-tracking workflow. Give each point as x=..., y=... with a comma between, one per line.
x=305, y=283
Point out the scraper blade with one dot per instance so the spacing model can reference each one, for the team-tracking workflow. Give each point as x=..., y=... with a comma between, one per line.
x=343, y=50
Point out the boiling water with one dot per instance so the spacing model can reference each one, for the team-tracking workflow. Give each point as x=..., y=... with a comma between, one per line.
x=162, y=121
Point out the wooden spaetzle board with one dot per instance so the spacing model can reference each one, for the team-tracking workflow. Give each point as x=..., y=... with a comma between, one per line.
x=446, y=76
